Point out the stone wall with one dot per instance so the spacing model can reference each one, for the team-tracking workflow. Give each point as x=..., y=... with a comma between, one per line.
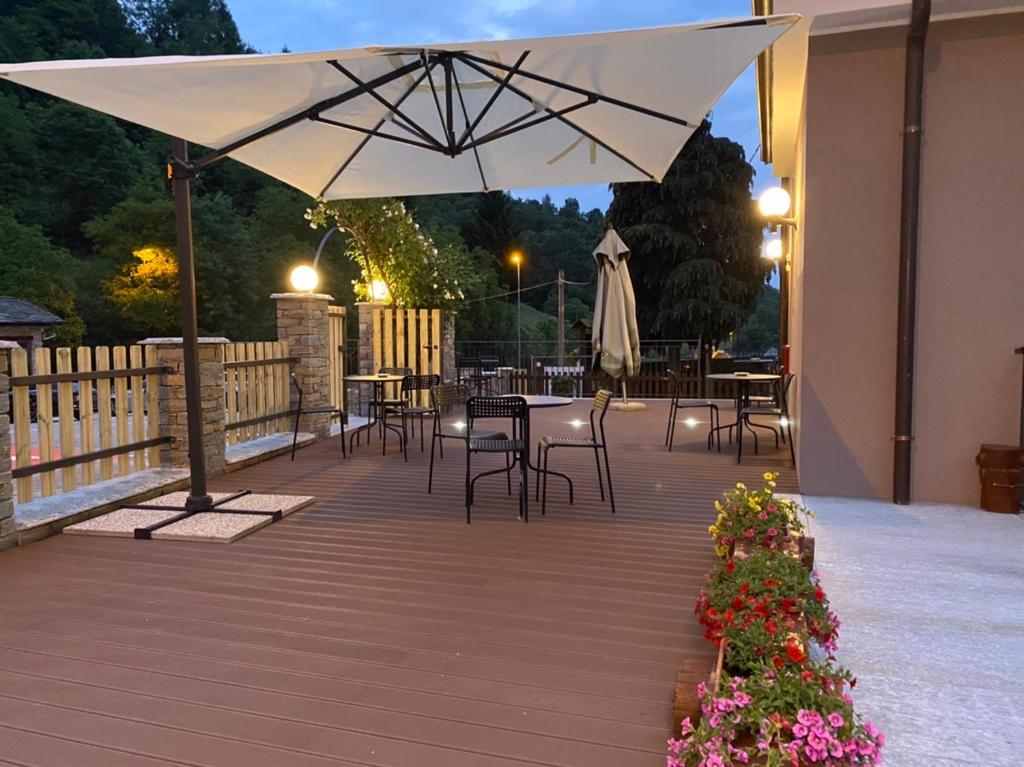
x=303, y=322
x=7, y=530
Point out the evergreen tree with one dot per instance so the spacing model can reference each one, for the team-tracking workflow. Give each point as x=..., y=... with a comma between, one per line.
x=695, y=242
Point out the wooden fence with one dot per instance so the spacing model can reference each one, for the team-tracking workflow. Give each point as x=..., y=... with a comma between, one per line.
x=583, y=383
x=105, y=411
x=338, y=350
x=408, y=338
x=257, y=387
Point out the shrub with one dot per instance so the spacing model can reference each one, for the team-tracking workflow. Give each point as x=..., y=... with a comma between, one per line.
x=757, y=516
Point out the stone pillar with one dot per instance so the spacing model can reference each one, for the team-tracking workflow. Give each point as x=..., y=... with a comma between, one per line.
x=8, y=534
x=448, y=371
x=303, y=321
x=359, y=395
x=173, y=413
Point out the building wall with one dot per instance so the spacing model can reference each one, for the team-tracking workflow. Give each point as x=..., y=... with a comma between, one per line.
x=971, y=270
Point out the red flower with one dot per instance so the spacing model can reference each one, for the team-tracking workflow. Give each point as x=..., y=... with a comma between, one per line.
x=795, y=653
x=806, y=675
x=819, y=594
x=771, y=628
x=853, y=683
x=730, y=566
x=738, y=604
x=770, y=583
x=744, y=587
x=787, y=603
x=729, y=615
x=777, y=661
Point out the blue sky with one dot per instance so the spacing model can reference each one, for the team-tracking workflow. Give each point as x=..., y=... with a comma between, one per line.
x=311, y=25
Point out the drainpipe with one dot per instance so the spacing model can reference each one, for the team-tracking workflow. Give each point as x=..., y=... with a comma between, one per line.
x=910, y=205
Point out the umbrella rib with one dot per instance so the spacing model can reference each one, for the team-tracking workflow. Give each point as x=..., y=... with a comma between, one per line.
x=563, y=119
x=376, y=132
x=465, y=115
x=306, y=114
x=510, y=127
x=366, y=139
x=437, y=102
x=581, y=91
x=393, y=109
x=494, y=97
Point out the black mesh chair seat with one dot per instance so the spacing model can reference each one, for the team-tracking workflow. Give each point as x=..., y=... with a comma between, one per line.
x=495, y=445
x=562, y=441
x=515, y=450
x=487, y=434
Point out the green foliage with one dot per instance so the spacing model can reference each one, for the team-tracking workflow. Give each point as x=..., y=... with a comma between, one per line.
x=761, y=330
x=695, y=241
x=33, y=269
x=388, y=245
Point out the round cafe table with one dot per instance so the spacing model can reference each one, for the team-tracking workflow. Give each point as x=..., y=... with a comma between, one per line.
x=379, y=381
x=741, y=388
x=536, y=402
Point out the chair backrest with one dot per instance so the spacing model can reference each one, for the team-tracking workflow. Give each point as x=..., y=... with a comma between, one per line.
x=602, y=399
x=489, y=364
x=295, y=382
x=674, y=382
x=396, y=371
x=496, y=407
x=787, y=381
x=420, y=383
x=468, y=367
x=446, y=396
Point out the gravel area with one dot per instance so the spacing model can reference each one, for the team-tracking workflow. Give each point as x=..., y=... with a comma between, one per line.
x=120, y=523
x=212, y=527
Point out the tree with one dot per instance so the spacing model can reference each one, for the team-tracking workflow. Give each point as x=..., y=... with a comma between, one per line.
x=31, y=268
x=146, y=291
x=761, y=330
x=194, y=27
x=695, y=242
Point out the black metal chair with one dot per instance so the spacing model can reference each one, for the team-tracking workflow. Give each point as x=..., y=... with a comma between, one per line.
x=679, y=402
x=449, y=400
x=596, y=442
x=513, y=409
x=408, y=411
x=780, y=412
x=333, y=412
x=379, y=407
x=470, y=370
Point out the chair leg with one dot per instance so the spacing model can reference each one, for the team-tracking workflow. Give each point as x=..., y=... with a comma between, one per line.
x=792, y=450
x=671, y=418
x=672, y=426
x=608, y=473
x=508, y=473
x=739, y=439
x=295, y=435
x=524, y=481
x=405, y=439
x=430, y=475
x=536, y=492
x=718, y=425
x=469, y=485
x=421, y=433
x=600, y=482
x=544, y=502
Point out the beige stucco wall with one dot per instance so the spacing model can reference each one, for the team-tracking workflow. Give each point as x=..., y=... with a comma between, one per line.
x=971, y=271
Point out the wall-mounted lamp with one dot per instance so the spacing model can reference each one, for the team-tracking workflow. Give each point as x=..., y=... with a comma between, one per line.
x=772, y=249
x=774, y=205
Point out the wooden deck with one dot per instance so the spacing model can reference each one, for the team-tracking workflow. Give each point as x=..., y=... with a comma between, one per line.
x=376, y=627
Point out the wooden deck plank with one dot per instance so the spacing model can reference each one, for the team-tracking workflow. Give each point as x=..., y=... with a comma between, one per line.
x=376, y=627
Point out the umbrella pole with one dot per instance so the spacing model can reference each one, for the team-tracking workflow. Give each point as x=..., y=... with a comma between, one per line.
x=198, y=499
x=624, y=397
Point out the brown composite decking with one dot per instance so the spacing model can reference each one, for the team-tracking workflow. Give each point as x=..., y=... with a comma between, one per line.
x=376, y=627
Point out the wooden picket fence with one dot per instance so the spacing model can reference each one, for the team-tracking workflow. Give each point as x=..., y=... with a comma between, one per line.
x=408, y=338
x=105, y=423
x=257, y=386
x=337, y=347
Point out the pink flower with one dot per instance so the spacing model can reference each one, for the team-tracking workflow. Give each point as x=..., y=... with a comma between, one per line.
x=771, y=507
x=749, y=532
x=799, y=731
x=836, y=719
x=772, y=531
x=762, y=516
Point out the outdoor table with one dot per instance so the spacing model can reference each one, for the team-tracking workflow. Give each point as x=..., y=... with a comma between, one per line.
x=379, y=381
x=741, y=387
x=534, y=402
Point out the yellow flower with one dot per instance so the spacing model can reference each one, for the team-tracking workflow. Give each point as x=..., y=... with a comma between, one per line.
x=711, y=529
x=740, y=486
x=718, y=506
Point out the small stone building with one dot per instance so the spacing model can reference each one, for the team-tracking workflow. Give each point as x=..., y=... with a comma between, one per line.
x=25, y=323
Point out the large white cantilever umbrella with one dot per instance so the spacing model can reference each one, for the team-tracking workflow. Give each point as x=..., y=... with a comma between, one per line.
x=407, y=120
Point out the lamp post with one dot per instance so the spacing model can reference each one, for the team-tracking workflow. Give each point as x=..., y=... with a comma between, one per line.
x=517, y=259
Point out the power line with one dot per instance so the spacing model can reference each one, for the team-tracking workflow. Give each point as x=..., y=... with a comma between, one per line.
x=513, y=292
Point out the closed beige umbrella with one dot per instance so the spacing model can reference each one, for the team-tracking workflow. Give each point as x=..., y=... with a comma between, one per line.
x=615, y=335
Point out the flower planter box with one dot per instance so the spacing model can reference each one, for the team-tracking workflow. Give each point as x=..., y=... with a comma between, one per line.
x=799, y=546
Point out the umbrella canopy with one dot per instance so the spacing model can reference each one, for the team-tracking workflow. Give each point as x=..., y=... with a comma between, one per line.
x=615, y=335
x=407, y=120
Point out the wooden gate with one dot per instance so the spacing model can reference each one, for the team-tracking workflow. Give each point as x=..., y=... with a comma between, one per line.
x=336, y=342
x=408, y=338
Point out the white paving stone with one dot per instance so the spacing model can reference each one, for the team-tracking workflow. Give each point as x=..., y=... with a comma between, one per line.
x=120, y=523
x=932, y=603
x=212, y=527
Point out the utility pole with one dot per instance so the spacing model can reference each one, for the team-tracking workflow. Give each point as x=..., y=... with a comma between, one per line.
x=561, y=318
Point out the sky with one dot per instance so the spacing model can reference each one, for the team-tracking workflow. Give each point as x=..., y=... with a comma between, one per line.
x=313, y=25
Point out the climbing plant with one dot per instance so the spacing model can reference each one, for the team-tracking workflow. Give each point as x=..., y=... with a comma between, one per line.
x=389, y=246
